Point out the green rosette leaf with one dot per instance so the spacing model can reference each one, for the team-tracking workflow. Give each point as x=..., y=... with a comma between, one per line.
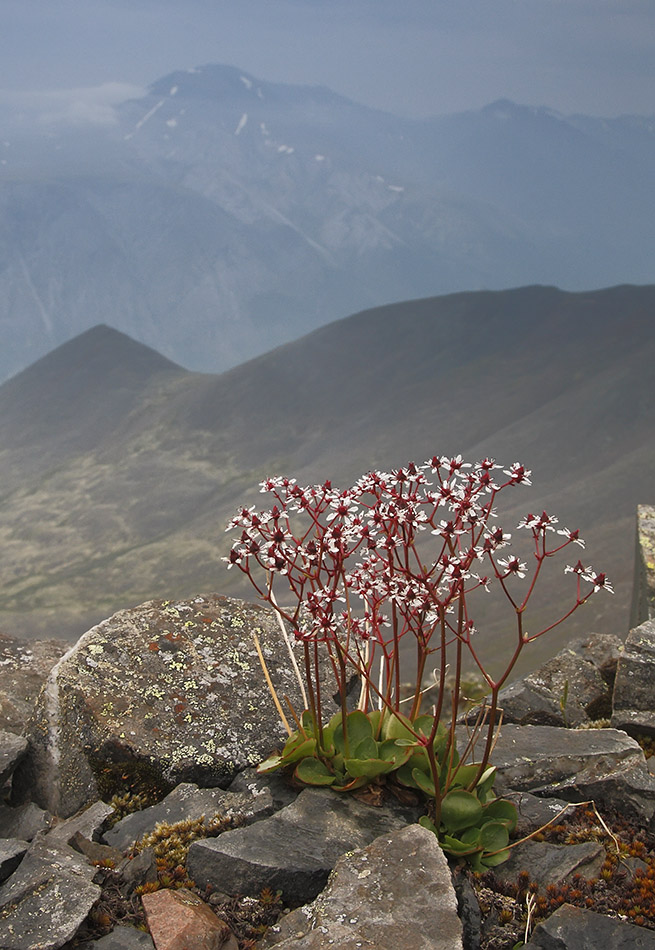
x=366, y=749
x=494, y=836
x=459, y=810
x=424, y=782
x=493, y=860
x=502, y=810
x=311, y=771
x=368, y=768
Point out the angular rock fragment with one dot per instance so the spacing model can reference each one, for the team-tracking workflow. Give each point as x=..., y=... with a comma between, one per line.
x=180, y=920
x=572, y=688
x=46, y=899
x=634, y=688
x=121, y=938
x=25, y=665
x=396, y=892
x=12, y=749
x=11, y=854
x=294, y=850
x=188, y=802
x=24, y=821
x=576, y=765
x=552, y=863
x=573, y=928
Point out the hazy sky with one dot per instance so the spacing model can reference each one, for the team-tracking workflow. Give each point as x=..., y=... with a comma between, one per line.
x=412, y=57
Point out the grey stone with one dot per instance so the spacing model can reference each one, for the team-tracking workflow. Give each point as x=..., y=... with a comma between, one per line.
x=251, y=781
x=643, y=597
x=121, y=938
x=12, y=749
x=24, y=821
x=572, y=928
x=11, y=854
x=174, y=686
x=634, y=688
x=141, y=869
x=295, y=849
x=576, y=765
x=572, y=688
x=552, y=863
x=396, y=892
x=186, y=802
x=534, y=813
x=25, y=664
x=46, y=899
x=88, y=822
x=95, y=853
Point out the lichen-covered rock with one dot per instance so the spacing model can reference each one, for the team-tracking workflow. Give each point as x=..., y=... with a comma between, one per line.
x=24, y=665
x=643, y=600
x=634, y=687
x=169, y=691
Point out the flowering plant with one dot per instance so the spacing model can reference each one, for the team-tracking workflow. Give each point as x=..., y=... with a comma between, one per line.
x=360, y=582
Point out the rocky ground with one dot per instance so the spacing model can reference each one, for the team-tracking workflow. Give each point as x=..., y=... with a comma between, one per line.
x=217, y=856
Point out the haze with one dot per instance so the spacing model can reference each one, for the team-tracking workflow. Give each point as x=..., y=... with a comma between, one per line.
x=411, y=57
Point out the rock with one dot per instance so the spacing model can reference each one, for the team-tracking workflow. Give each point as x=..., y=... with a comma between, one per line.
x=24, y=821
x=175, y=688
x=643, y=598
x=571, y=928
x=46, y=899
x=12, y=749
x=396, y=892
x=186, y=802
x=95, y=853
x=274, y=782
x=576, y=765
x=572, y=688
x=25, y=664
x=88, y=822
x=534, y=813
x=294, y=850
x=121, y=938
x=141, y=869
x=634, y=688
x=552, y=863
x=11, y=854
x=180, y=920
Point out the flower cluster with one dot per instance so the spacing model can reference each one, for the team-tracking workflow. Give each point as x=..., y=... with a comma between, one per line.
x=398, y=554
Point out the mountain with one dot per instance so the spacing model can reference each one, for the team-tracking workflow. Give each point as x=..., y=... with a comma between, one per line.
x=222, y=215
x=120, y=469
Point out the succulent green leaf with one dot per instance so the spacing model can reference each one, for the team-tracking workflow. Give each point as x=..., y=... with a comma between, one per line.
x=459, y=809
x=312, y=771
x=463, y=776
x=390, y=751
x=308, y=747
x=471, y=836
x=424, y=782
x=366, y=749
x=397, y=727
x=455, y=846
x=270, y=764
x=349, y=786
x=493, y=860
x=358, y=727
x=494, y=836
x=502, y=810
x=405, y=777
x=428, y=823
x=368, y=768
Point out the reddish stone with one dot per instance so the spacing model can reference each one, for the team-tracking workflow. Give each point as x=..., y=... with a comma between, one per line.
x=180, y=920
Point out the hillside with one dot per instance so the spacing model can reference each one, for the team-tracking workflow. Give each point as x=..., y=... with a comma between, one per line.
x=120, y=469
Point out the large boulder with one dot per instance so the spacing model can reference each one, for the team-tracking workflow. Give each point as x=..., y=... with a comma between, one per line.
x=164, y=693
